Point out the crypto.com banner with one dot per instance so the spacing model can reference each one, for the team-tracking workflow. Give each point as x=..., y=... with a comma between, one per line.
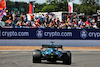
x=35, y=33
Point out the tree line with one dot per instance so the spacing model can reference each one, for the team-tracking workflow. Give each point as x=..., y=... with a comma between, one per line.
x=88, y=7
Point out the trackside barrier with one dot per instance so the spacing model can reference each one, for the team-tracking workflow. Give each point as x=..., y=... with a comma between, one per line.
x=37, y=33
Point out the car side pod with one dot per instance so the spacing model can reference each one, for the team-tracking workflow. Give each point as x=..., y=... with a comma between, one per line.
x=67, y=57
x=36, y=56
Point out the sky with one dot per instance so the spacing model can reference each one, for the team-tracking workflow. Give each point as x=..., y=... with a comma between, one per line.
x=43, y=1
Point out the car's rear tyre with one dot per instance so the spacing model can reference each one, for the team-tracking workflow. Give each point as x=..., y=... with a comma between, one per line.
x=67, y=58
x=37, y=56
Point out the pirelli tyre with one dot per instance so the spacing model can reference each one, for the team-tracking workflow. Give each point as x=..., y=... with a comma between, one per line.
x=37, y=56
x=67, y=58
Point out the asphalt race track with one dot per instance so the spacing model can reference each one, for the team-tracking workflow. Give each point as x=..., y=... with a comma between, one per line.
x=24, y=59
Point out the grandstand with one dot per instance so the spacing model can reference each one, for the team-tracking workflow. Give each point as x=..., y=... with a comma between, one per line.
x=49, y=20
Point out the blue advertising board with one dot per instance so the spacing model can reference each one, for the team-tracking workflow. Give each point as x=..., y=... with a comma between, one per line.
x=37, y=33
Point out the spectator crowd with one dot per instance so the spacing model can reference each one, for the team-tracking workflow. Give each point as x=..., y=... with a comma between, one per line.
x=40, y=20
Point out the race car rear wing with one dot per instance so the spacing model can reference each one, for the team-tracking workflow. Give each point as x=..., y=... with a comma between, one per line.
x=52, y=46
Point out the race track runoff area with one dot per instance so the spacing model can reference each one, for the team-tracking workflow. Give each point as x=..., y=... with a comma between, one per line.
x=38, y=47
